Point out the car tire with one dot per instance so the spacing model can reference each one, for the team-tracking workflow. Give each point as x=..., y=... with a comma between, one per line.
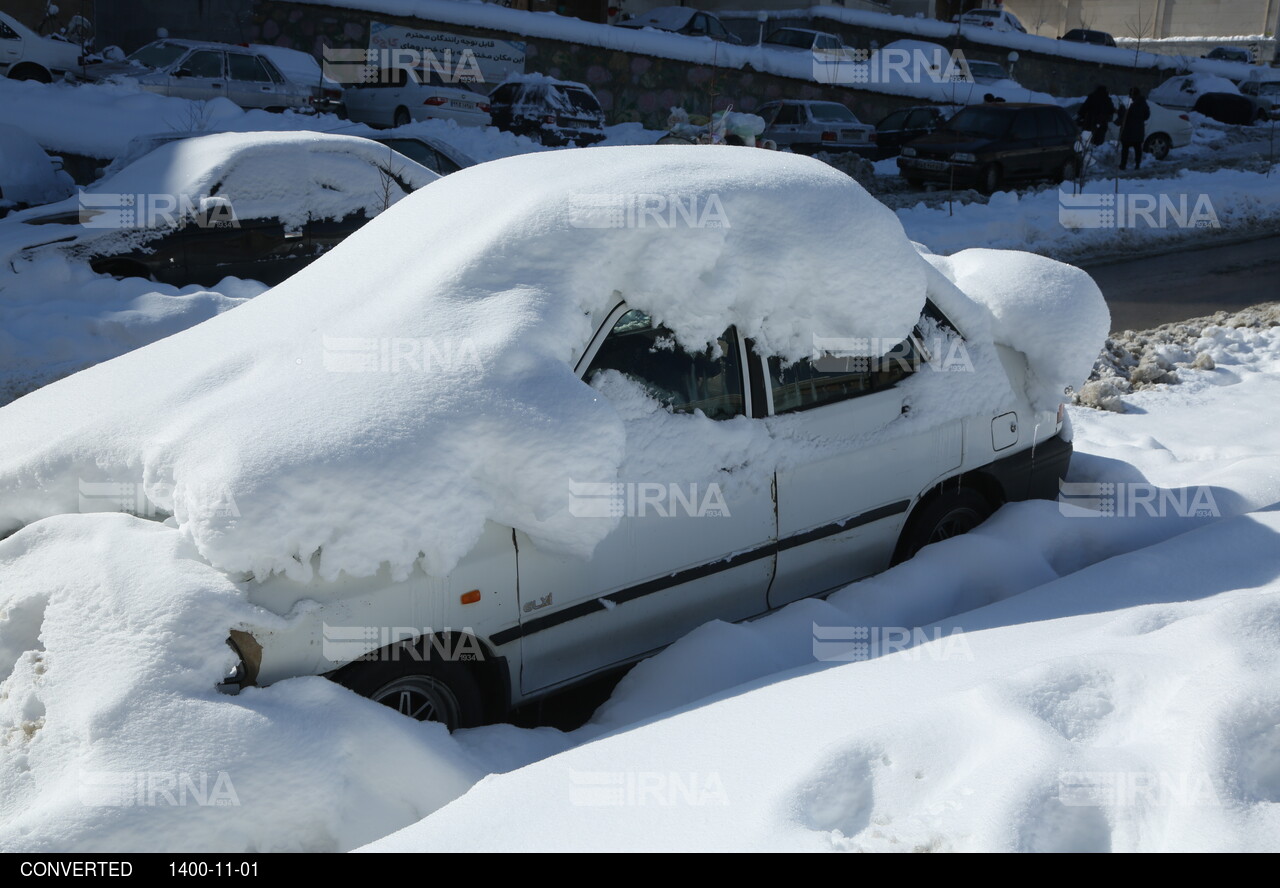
x=989, y=180
x=1158, y=145
x=120, y=269
x=401, y=117
x=427, y=690
x=28, y=71
x=950, y=514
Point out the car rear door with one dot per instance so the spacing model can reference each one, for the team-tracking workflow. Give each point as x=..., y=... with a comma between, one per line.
x=10, y=47
x=688, y=548
x=840, y=513
x=249, y=83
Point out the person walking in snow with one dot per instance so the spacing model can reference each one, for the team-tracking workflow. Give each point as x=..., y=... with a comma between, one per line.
x=1095, y=115
x=1132, y=119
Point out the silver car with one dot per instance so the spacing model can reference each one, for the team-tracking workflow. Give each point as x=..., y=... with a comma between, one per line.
x=810, y=127
x=191, y=69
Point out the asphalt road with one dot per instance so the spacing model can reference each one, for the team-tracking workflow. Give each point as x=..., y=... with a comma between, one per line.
x=1189, y=283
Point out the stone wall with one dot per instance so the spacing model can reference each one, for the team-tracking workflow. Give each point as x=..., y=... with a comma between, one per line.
x=634, y=87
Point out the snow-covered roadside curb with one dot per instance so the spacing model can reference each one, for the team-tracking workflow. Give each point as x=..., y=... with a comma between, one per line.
x=1108, y=217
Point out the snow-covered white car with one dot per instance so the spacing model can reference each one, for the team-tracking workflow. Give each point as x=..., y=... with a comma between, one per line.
x=1166, y=128
x=995, y=19
x=400, y=96
x=193, y=69
x=804, y=40
x=810, y=127
x=195, y=210
x=25, y=55
x=531, y=424
x=987, y=72
x=28, y=176
x=1183, y=91
x=681, y=20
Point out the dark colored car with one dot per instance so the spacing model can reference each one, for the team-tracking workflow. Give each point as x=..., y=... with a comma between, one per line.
x=437, y=156
x=553, y=112
x=217, y=223
x=1229, y=108
x=905, y=125
x=1085, y=35
x=984, y=146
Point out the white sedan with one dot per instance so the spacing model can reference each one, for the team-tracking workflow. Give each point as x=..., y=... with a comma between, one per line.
x=399, y=96
x=25, y=55
x=539, y=420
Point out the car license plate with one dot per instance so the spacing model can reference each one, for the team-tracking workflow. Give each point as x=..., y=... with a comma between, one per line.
x=932, y=164
x=853, y=136
x=463, y=106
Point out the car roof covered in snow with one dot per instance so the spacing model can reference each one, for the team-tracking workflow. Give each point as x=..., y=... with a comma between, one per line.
x=664, y=18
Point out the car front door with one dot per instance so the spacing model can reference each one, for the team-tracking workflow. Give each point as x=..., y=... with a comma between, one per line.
x=787, y=127
x=201, y=75
x=686, y=550
x=1023, y=156
x=10, y=47
x=840, y=514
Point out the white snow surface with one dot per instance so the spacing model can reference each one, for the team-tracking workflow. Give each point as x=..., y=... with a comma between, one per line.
x=1050, y=311
x=379, y=467
x=27, y=174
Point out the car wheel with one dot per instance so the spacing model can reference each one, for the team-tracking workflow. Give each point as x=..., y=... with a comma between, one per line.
x=31, y=72
x=989, y=182
x=401, y=117
x=424, y=689
x=950, y=514
x=1070, y=170
x=1158, y=146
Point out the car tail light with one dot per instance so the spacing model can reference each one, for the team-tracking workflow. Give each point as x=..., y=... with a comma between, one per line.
x=331, y=93
x=550, y=118
x=483, y=106
x=1184, y=117
x=871, y=136
x=828, y=137
x=436, y=100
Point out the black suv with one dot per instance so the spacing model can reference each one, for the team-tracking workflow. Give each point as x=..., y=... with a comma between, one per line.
x=553, y=112
x=1085, y=35
x=987, y=145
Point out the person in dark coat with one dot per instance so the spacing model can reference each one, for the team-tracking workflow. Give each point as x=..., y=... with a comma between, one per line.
x=1133, y=128
x=1095, y=114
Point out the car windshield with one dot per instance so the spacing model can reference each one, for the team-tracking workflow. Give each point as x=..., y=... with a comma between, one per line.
x=980, y=121
x=788, y=37
x=581, y=100
x=982, y=13
x=830, y=111
x=986, y=69
x=158, y=55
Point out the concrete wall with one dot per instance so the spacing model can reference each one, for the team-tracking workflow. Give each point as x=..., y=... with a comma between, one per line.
x=1149, y=18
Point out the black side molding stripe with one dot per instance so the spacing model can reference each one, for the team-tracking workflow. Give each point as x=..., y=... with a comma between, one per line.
x=659, y=584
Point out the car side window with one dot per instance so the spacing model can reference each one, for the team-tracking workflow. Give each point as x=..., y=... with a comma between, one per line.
x=920, y=120
x=246, y=68
x=681, y=382
x=7, y=33
x=698, y=25
x=894, y=121
x=788, y=115
x=1025, y=126
x=816, y=382
x=204, y=63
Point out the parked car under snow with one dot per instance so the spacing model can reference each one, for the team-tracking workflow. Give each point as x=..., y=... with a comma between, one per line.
x=550, y=111
x=766, y=392
x=196, y=210
x=28, y=176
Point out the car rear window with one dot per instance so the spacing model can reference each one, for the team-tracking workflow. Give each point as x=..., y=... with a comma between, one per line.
x=158, y=55
x=832, y=112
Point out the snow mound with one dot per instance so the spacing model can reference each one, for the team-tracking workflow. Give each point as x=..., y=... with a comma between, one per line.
x=113, y=738
x=386, y=401
x=1096, y=712
x=27, y=175
x=1050, y=311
